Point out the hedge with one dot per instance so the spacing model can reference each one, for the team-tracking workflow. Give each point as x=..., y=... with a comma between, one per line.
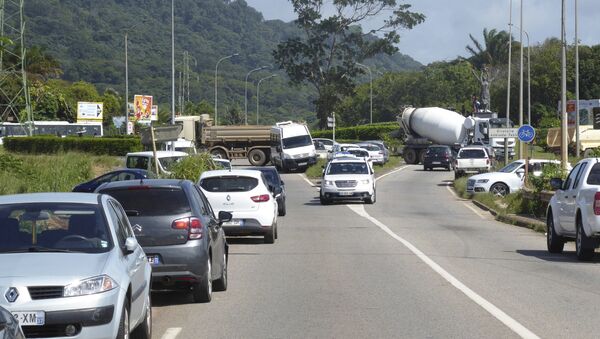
x=363, y=132
x=52, y=144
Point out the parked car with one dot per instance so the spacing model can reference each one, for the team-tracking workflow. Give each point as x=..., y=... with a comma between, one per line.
x=321, y=150
x=118, y=175
x=176, y=226
x=438, y=156
x=348, y=179
x=9, y=326
x=471, y=159
x=509, y=179
x=222, y=163
x=246, y=196
x=339, y=148
x=144, y=160
x=573, y=213
x=381, y=144
x=327, y=143
x=274, y=182
x=375, y=152
x=72, y=267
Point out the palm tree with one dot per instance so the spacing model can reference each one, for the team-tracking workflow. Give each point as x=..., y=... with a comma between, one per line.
x=493, y=52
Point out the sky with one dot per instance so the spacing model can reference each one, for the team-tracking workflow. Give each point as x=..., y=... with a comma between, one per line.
x=448, y=23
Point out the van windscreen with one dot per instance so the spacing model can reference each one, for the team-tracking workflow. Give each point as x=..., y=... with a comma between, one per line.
x=297, y=141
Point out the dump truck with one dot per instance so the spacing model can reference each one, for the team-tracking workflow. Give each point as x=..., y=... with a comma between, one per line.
x=589, y=139
x=250, y=142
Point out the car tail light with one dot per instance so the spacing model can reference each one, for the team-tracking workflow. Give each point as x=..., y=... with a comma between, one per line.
x=597, y=203
x=193, y=225
x=261, y=198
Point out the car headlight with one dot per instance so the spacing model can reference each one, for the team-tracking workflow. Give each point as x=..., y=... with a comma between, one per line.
x=482, y=181
x=312, y=153
x=328, y=183
x=99, y=284
x=365, y=181
x=287, y=156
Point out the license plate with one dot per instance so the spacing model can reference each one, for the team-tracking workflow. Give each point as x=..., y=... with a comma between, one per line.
x=234, y=222
x=153, y=259
x=302, y=163
x=33, y=318
x=436, y=163
x=346, y=193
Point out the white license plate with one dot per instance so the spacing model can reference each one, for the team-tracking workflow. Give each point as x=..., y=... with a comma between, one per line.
x=302, y=163
x=33, y=318
x=234, y=222
x=436, y=163
x=346, y=193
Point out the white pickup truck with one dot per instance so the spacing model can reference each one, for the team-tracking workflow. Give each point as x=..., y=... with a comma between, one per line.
x=471, y=160
x=574, y=210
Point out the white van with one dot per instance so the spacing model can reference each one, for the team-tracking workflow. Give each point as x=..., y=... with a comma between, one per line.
x=292, y=146
x=181, y=145
x=144, y=160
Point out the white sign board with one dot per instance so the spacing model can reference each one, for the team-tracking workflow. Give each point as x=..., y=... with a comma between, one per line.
x=504, y=133
x=89, y=111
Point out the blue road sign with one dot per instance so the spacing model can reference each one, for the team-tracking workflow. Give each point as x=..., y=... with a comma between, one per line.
x=526, y=133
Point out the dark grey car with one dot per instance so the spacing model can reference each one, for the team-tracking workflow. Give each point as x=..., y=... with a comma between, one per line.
x=177, y=229
x=274, y=181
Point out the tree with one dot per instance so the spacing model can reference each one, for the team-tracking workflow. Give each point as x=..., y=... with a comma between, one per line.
x=326, y=55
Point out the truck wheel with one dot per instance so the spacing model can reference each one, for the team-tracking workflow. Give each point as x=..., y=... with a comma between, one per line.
x=410, y=156
x=584, y=246
x=218, y=153
x=555, y=242
x=257, y=157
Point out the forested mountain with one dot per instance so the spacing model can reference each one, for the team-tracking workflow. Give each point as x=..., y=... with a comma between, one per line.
x=87, y=38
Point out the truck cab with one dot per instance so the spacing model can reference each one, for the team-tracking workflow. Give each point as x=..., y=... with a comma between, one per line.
x=292, y=146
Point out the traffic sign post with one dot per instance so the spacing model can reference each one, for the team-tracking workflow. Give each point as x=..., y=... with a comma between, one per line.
x=331, y=123
x=526, y=135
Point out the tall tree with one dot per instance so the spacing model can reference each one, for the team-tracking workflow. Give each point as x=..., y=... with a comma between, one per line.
x=326, y=55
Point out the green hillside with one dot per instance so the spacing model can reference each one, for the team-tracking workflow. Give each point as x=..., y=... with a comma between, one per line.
x=87, y=37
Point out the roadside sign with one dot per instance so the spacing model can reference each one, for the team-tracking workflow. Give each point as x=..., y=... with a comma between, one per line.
x=161, y=133
x=142, y=107
x=330, y=122
x=89, y=111
x=526, y=133
x=504, y=132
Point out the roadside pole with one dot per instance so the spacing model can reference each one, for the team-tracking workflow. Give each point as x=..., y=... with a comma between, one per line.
x=331, y=123
x=154, y=149
x=526, y=136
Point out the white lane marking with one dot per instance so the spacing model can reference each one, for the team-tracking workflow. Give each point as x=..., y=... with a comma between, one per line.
x=475, y=211
x=452, y=191
x=511, y=323
x=303, y=176
x=171, y=333
x=389, y=173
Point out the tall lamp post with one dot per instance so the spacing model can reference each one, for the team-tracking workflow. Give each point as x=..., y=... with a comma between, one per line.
x=371, y=89
x=258, y=93
x=172, y=62
x=521, y=79
x=563, y=100
x=216, y=87
x=508, y=81
x=577, y=141
x=246, y=92
x=528, y=77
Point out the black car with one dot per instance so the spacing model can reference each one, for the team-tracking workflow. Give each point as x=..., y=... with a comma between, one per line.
x=438, y=156
x=274, y=181
x=176, y=226
x=118, y=175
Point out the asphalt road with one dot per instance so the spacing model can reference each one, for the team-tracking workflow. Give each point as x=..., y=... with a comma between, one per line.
x=419, y=263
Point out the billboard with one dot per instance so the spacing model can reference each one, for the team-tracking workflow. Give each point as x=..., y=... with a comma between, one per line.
x=89, y=111
x=142, y=107
x=586, y=115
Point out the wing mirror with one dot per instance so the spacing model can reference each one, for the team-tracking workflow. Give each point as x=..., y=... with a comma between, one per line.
x=277, y=191
x=556, y=183
x=521, y=172
x=224, y=217
x=130, y=245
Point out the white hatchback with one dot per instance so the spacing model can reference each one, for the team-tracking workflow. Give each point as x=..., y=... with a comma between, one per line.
x=348, y=179
x=246, y=195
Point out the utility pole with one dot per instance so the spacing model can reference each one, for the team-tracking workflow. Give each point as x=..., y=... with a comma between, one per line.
x=563, y=100
x=216, y=86
x=577, y=141
x=508, y=82
x=258, y=93
x=521, y=79
x=172, y=62
x=246, y=92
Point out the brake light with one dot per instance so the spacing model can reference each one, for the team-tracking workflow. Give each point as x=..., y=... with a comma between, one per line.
x=193, y=225
x=597, y=203
x=261, y=198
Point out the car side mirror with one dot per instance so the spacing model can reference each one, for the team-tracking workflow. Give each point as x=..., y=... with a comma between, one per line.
x=282, y=183
x=521, y=172
x=224, y=217
x=556, y=183
x=130, y=245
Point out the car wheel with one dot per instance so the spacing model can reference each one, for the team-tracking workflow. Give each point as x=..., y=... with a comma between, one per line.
x=123, y=332
x=448, y=168
x=202, y=290
x=499, y=189
x=270, y=236
x=555, y=242
x=221, y=283
x=324, y=201
x=456, y=175
x=281, y=211
x=276, y=233
x=144, y=330
x=584, y=247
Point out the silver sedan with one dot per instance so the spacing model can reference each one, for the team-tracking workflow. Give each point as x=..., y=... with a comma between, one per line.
x=70, y=266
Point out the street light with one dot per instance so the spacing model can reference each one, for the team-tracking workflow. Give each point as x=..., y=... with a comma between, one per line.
x=521, y=79
x=246, y=92
x=577, y=141
x=127, y=70
x=528, y=77
x=172, y=62
x=371, y=95
x=216, y=88
x=508, y=81
x=258, y=92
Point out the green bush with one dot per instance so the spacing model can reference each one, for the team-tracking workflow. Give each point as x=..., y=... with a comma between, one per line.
x=191, y=167
x=542, y=183
x=51, y=144
x=363, y=132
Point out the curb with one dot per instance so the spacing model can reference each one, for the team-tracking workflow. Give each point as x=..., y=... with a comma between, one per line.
x=513, y=219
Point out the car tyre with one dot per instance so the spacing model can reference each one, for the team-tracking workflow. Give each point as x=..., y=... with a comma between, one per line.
x=555, y=242
x=281, y=211
x=202, y=290
x=270, y=236
x=324, y=201
x=123, y=331
x=144, y=330
x=499, y=189
x=220, y=284
x=584, y=247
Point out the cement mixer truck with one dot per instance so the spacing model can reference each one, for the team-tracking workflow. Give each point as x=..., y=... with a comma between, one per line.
x=434, y=125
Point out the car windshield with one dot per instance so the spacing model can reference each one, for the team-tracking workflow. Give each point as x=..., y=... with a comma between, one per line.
x=297, y=141
x=358, y=153
x=220, y=164
x=140, y=162
x=229, y=184
x=168, y=162
x=53, y=227
x=271, y=176
x=471, y=154
x=154, y=201
x=348, y=168
x=511, y=167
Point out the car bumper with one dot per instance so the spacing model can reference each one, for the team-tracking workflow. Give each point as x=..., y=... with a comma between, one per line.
x=346, y=194
x=472, y=170
x=178, y=264
x=437, y=163
x=299, y=163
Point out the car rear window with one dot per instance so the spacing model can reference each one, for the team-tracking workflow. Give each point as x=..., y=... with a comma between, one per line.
x=594, y=177
x=471, y=154
x=371, y=147
x=437, y=150
x=151, y=201
x=229, y=184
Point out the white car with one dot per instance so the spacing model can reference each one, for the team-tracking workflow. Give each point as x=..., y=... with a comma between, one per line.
x=348, y=179
x=507, y=180
x=245, y=194
x=222, y=163
x=339, y=148
x=144, y=160
x=376, y=154
x=327, y=143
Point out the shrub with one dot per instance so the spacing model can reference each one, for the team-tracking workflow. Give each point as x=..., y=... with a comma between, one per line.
x=51, y=144
x=192, y=167
x=542, y=183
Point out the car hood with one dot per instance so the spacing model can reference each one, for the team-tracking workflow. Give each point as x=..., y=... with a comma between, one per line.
x=49, y=268
x=491, y=176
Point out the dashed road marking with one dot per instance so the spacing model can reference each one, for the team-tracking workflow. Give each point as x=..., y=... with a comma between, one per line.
x=171, y=333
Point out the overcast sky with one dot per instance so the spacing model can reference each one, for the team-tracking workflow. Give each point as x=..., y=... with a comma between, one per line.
x=445, y=32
